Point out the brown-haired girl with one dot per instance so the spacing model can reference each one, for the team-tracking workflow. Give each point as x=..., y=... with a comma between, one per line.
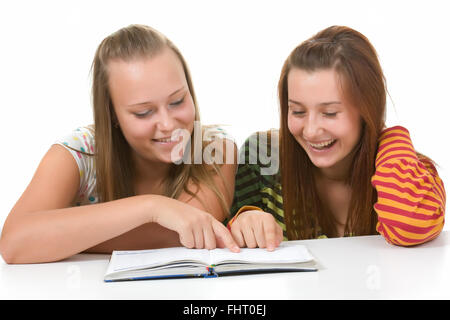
x=119, y=184
x=342, y=173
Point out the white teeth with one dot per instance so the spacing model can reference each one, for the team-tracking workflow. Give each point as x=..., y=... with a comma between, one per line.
x=164, y=140
x=322, y=144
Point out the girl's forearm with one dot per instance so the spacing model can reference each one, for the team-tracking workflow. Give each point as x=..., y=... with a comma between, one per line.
x=147, y=236
x=57, y=234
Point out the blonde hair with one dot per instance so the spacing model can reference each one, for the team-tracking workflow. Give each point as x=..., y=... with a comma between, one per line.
x=114, y=167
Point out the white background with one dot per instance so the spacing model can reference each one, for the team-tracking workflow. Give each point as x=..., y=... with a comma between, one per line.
x=235, y=50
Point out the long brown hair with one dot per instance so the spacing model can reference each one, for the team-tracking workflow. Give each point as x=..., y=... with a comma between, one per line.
x=114, y=167
x=355, y=60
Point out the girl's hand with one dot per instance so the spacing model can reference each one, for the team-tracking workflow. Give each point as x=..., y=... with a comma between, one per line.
x=196, y=228
x=257, y=229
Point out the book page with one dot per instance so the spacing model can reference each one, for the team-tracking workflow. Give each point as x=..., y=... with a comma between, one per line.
x=136, y=259
x=285, y=253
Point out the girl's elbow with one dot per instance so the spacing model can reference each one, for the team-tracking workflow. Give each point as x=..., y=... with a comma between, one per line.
x=397, y=236
x=7, y=250
x=12, y=249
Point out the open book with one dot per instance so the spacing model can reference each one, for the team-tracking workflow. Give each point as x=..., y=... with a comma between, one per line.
x=184, y=262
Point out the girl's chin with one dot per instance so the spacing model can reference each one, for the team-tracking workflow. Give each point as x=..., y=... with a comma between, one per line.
x=324, y=166
x=324, y=162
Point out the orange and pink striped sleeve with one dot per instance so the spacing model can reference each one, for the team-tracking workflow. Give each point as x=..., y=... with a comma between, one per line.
x=411, y=196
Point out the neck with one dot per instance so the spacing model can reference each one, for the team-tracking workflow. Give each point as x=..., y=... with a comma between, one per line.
x=340, y=172
x=327, y=174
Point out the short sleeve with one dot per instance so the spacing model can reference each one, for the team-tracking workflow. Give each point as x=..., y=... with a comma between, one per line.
x=216, y=132
x=81, y=144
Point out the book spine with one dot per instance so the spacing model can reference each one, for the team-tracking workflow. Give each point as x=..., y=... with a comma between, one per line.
x=210, y=273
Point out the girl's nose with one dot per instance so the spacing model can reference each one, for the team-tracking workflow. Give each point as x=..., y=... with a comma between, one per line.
x=165, y=121
x=311, y=128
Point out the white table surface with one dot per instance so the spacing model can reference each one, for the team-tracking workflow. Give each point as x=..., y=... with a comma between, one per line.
x=349, y=268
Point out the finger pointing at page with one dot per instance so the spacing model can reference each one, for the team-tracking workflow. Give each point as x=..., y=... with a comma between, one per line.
x=224, y=238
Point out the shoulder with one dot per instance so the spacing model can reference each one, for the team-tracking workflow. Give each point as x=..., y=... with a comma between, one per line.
x=260, y=142
x=81, y=139
x=261, y=152
x=81, y=144
x=394, y=143
x=393, y=135
x=215, y=132
x=218, y=145
x=259, y=163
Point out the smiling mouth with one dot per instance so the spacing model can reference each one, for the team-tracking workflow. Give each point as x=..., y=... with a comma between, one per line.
x=164, y=140
x=323, y=145
x=173, y=138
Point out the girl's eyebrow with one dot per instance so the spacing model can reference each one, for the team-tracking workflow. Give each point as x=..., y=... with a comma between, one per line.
x=295, y=102
x=328, y=103
x=150, y=102
x=322, y=104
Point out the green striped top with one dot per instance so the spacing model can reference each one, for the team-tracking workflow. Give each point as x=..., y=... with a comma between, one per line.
x=258, y=176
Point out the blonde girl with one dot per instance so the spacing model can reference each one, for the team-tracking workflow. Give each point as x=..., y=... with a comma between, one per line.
x=128, y=181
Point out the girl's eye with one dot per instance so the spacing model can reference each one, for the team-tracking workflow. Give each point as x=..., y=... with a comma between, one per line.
x=176, y=103
x=330, y=114
x=296, y=111
x=143, y=114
